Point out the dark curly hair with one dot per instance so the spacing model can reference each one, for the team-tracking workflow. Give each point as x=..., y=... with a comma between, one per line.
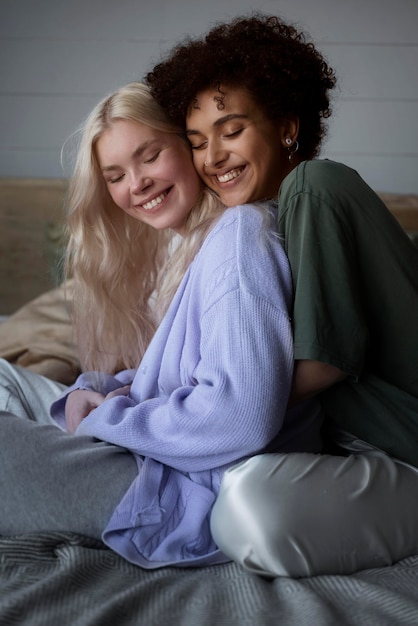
x=284, y=73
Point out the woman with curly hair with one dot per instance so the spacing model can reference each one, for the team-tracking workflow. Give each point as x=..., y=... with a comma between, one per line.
x=195, y=298
x=253, y=96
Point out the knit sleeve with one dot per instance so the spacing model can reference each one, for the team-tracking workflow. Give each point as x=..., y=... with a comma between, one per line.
x=94, y=381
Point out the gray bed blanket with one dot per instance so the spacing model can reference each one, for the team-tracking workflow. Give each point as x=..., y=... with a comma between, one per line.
x=60, y=579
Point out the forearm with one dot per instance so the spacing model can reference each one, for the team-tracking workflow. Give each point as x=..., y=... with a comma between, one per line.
x=311, y=378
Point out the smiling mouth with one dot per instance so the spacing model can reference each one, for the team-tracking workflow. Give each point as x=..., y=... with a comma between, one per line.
x=225, y=178
x=155, y=201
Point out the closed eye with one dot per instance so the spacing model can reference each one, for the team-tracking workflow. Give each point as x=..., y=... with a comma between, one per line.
x=114, y=179
x=203, y=144
x=154, y=157
x=199, y=146
x=235, y=133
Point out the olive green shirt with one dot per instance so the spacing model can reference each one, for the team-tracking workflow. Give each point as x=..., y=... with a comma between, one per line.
x=355, y=274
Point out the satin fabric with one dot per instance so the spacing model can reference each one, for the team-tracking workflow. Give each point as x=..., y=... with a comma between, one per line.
x=305, y=514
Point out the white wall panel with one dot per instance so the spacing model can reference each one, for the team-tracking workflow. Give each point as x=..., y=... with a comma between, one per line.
x=352, y=21
x=373, y=127
x=367, y=71
x=68, y=67
x=118, y=19
x=41, y=121
x=31, y=162
x=329, y=20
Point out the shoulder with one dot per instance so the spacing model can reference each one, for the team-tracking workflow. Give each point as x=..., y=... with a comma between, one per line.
x=231, y=229
x=235, y=218
x=243, y=252
x=322, y=177
x=244, y=231
x=325, y=185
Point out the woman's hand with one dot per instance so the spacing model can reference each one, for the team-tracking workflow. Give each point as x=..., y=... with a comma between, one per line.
x=81, y=402
x=121, y=391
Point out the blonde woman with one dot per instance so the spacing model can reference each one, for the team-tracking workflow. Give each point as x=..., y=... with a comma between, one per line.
x=140, y=454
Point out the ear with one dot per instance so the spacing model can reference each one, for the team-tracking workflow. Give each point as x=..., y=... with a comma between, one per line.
x=289, y=131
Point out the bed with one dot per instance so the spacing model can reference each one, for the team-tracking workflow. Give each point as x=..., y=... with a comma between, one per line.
x=52, y=579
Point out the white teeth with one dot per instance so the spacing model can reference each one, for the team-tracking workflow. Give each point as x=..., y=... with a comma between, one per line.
x=153, y=203
x=229, y=175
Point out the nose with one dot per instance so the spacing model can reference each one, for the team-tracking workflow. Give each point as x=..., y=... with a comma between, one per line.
x=139, y=183
x=215, y=154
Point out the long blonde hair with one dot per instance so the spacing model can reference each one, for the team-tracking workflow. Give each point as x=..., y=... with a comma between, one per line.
x=124, y=272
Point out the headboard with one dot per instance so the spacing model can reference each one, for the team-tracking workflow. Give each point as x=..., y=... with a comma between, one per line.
x=32, y=238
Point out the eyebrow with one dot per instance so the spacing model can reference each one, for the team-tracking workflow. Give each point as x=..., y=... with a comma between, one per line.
x=220, y=121
x=137, y=152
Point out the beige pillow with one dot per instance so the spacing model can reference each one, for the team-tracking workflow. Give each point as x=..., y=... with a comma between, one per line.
x=39, y=336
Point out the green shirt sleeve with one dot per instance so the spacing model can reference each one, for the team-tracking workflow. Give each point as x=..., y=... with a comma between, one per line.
x=328, y=319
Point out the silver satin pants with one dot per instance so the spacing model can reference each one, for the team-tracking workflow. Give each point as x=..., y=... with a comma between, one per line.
x=303, y=514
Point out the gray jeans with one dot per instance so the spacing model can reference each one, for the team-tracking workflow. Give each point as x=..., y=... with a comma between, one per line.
x=51, y=480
